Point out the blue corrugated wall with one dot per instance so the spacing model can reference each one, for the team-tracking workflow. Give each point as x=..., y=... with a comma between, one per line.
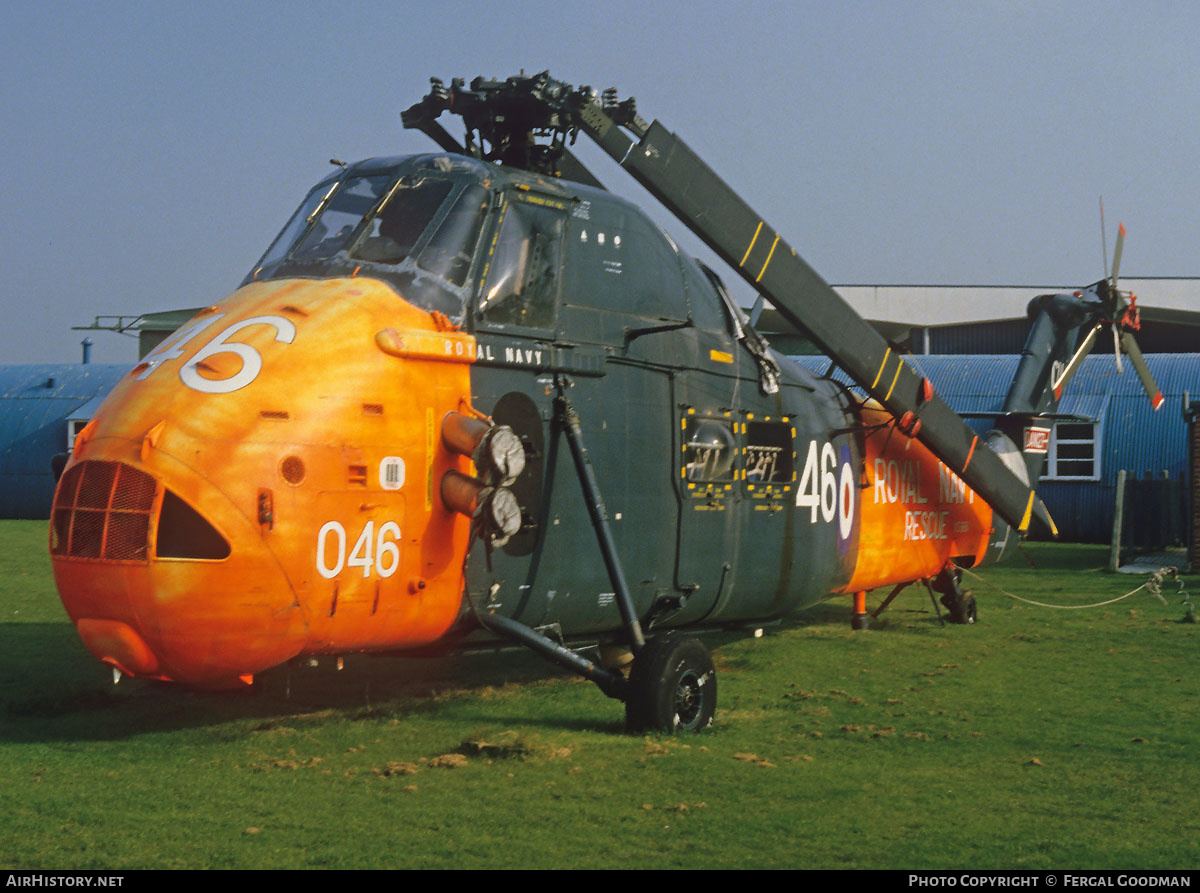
x=35, y=404
x=1132, y=436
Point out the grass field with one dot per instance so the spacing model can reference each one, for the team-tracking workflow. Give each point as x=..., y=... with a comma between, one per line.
x=1037, y=738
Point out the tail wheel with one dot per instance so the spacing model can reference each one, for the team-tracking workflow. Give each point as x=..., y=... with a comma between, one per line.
x=970, y=611
x=962, y=608
x=672, y=686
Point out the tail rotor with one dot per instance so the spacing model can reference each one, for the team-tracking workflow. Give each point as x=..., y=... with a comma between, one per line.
x=1108, y=306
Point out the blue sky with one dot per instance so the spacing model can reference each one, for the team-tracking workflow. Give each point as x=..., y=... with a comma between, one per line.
x=153, y=150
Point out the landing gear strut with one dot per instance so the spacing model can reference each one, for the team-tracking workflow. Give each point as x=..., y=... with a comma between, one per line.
x=672, y=686
x=960, y=604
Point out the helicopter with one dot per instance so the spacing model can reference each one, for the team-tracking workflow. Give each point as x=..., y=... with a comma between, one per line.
x=471, y=397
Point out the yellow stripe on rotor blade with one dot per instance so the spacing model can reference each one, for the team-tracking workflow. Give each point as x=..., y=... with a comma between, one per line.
x=751, y=248
x=770, y=254
x=895, y=378
x=1028, y=513
x=887, y=353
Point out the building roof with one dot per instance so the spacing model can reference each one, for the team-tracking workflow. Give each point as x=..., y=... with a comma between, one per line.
x=979, y=383
x=1164, y=299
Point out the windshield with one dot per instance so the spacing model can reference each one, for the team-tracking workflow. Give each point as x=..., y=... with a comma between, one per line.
x=417, y=232
x=303, y=216
x=393, y=232
x=340, y=217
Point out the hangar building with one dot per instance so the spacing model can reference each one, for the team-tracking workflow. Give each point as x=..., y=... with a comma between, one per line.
x=42, y=408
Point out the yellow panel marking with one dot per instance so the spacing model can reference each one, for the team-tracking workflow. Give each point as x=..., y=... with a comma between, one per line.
x=887, y=353
x=752, y=241
x=899, y=366
x=720, y=356
x=770, y=254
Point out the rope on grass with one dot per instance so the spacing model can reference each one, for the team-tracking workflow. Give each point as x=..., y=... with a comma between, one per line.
x=1152, y=585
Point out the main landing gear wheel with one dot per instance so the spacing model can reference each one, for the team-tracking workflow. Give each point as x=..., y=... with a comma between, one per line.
x=672, y=686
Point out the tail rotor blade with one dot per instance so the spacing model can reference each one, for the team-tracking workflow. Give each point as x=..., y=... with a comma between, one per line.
x=1076, y=361
x=1143, y=371
x=1116, y=267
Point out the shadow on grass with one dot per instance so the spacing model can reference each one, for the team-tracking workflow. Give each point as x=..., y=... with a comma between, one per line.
x=51, y=689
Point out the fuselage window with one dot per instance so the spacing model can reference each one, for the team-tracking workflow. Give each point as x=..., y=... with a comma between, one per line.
x=709, y=449
x=522, y=282
x=769, y=455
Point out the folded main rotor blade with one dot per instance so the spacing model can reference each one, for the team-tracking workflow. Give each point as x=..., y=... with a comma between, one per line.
x=694, y=193
x=1143, y=371
x=1076, y=361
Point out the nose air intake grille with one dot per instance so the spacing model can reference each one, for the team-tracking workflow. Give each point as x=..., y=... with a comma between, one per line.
x=102, y=511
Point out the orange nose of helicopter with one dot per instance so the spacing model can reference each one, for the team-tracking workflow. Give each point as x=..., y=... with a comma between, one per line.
x=265, y=484
x=156, y=590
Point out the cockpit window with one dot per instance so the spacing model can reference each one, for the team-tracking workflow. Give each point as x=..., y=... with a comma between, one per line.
x=414, y=228
x=392, y=233
x=452, y=247
x=296, y=225
x=332, y=230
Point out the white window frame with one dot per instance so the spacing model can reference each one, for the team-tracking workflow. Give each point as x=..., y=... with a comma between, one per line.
x=74, y=426
x=1052, y=459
